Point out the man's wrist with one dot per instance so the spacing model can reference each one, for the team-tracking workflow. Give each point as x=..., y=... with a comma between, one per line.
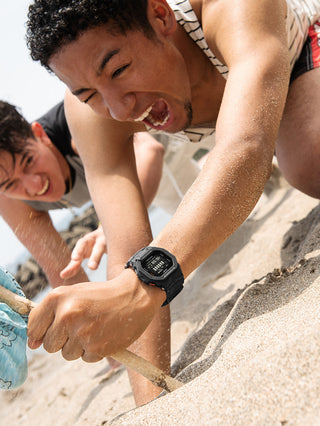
x=155, y=295
x=157, y=267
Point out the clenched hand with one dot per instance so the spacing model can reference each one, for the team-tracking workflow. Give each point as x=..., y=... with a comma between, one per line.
x=94, y=320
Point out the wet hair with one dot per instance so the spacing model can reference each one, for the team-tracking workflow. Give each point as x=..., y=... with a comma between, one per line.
x=52, y=24
x=14, y=130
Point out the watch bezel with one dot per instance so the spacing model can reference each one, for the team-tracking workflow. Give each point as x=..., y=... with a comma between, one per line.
x=171, y=281
x=152, y=252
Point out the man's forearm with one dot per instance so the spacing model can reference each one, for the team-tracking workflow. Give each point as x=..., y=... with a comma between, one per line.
x=54, y=259
x=217, y=203
x=153, y=345
x=52, y=253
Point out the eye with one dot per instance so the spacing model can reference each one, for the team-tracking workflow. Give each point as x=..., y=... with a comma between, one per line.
x=119, y=71
x=9, y=186
x=89, y=97
x=29, y=161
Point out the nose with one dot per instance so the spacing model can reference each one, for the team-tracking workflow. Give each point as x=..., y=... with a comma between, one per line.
x=32, y=184
x=119, y=106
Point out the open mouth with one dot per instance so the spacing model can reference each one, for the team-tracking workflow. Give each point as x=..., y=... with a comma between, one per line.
x=157, y=115
x=44, y=188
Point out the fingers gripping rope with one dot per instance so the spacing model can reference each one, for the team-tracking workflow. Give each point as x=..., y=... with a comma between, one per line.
x=13, y=339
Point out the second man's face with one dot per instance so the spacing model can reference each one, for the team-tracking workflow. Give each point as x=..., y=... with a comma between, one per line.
x=35, y=175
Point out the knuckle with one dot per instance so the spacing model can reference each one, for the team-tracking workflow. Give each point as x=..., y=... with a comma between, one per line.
x=76, y=254
x=53, y=297
x=50, y=346
x=70, y=313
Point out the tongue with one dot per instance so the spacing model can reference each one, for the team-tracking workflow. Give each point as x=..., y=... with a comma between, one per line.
x=159, y=111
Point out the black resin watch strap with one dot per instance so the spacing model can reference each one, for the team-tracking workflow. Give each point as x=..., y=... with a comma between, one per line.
x=172, y=284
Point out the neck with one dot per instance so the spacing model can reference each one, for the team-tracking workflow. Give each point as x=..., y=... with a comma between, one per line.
x=207, y=84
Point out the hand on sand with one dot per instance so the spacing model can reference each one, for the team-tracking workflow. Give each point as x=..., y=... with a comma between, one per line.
x=92, y=246
x=94, y=320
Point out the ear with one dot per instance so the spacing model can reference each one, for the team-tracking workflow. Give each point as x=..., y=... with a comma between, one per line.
x=40, y=133
x=162, y=17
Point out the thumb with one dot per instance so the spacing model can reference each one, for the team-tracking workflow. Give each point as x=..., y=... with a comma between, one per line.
x=40, y=319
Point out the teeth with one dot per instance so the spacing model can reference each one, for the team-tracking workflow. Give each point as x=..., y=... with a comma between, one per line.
x=159, y=123
x=150, y=118
x=45, y=188
x=144, y=115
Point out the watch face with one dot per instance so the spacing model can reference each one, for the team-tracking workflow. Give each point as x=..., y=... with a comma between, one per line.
x=157, y=263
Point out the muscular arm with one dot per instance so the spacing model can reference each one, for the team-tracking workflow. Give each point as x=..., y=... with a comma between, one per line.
x=36, y=232
x=249, y=37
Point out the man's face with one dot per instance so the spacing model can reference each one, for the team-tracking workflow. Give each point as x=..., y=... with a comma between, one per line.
x=128, y=78
x=35, y=175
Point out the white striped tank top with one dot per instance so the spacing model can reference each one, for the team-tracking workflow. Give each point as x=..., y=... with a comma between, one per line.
x=300, y=15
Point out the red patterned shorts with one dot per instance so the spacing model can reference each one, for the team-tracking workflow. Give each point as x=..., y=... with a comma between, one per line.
x=310, y=55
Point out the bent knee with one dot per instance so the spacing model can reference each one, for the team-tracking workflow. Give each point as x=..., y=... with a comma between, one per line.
x=302, y=174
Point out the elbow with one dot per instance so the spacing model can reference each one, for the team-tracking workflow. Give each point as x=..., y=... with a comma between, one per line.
x=144, y=142
x=149, y=152
x=266, y=164
x=260, y=160
x=159, y=149
x=156, y=149
x=255, y=161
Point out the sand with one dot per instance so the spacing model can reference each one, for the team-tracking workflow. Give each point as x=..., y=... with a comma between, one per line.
x=245, y=338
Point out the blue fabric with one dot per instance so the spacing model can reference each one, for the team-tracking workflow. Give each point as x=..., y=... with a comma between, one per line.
x=13, y=339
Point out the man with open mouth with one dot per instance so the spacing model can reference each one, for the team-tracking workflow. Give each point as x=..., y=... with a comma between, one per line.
x=40, y=171
x=246, y=70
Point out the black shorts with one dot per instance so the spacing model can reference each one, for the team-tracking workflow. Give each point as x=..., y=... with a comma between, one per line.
x=310, y=55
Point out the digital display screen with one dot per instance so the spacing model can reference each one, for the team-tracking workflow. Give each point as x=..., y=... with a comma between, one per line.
x=157, y=264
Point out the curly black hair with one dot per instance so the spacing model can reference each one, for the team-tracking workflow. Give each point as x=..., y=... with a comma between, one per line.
x=14, y=130
x=54, y=23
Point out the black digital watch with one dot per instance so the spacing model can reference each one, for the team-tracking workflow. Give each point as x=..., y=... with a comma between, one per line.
x=156, y=266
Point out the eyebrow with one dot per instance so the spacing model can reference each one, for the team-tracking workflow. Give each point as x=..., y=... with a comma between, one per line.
x=23, y=157
x=101, y=67
x=106, y=59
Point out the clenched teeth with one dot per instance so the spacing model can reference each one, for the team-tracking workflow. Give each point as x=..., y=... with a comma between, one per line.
x=45, y=188
x=159, y=123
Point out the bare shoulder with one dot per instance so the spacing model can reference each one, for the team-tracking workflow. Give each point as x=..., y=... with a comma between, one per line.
x=96, y=136
x=234, y=28
x=197, y=8
x=81, y=117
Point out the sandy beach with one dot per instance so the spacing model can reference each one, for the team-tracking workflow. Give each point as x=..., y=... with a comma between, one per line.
x=245, y=338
